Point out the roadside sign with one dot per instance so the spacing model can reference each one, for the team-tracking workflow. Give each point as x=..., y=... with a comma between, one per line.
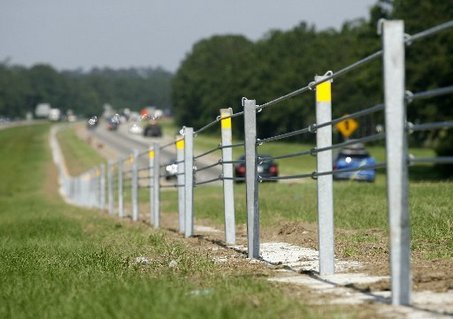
x=347, y=127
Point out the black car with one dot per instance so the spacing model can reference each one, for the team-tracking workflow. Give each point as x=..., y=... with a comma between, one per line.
x=113, y=123
x=152, y=130
x=267, y=167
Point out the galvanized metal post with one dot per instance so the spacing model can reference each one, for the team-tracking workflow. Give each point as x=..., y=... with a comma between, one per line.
x=253, y=213
x=135, y=186
x=110, y=185
x=96, y=185
x=156, y=186
x=325, y=182
x=120, y=189
x=102, y=186
x=188, y=181
x=396, y=153
x=180, y=182
x=151, y=164
x=228, y=187
x=78, y=192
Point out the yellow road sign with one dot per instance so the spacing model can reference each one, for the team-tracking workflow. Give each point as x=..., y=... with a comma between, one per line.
x=347, y=127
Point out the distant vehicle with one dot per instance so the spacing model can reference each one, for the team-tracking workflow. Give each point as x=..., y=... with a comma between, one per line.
x=112, y=123
x=42, y=110
x=352, y=157
x=72, y=118
x=92, y=122
x=135, y=128
x=267, y=167
x=152, y=129
x=54, y=115
x=171, y=169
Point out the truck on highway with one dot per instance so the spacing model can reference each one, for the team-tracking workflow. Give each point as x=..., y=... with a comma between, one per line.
x=54, y=115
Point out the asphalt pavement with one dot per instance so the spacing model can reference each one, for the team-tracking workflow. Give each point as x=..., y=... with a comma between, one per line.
x=124, y=143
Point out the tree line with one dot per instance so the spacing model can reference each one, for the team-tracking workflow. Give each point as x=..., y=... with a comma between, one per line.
x=21, y=89
x=220, y=70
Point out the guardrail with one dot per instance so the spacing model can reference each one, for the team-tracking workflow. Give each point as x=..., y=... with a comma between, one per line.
x=143, y=169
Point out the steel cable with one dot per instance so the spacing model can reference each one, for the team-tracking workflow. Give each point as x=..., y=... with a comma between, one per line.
x=208, y=166
x=218, y=178
x=429, y=32
x=429, y=126
x=371, y=138
x=312, y=85
x=430, y=93
x=352, y=169
x=217, y=120
x=232, y=145
x=367, y=111
x=171, y=186
x=431, y=160
x=296, y=154
x=283, y=136
x=208, y=152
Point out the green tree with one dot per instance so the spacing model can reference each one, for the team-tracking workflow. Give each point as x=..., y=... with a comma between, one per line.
x=211, y=77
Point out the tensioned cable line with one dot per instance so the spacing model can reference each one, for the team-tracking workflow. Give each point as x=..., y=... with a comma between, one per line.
x=430, y=93
x=232, y=145
x=218, y=147
x=291, y=155
x=208, y=166
x=171, y=186
x=208, y=181
x=430, y=126
x=355, y=169
x=276, y=178
x=217, y=120
x=355, y=65
x=260, y=141
x=358, y=114
x=430, y=31
x=144, y=169
x=371, y=138
x=331, y=76
x=431, y=160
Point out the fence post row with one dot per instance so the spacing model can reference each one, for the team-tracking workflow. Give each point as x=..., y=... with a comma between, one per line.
x=253, y=214
x=102, y=187
x=89, y=189
x=135, y=186
x=180, y=182
x=120, y=189
x=110, y=185
x=151, y=164
x=188, y=181
x=325, y=182
x=396, y=153
x=228, y=183
x=156, y=186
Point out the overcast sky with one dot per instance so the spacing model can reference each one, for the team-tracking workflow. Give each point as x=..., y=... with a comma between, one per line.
x=69, y=34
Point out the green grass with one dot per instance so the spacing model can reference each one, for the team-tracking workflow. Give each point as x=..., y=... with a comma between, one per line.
x=60, y=261
x=79, y=157
x=358, y=206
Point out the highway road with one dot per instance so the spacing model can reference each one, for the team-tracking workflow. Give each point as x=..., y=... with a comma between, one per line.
x=124, y=143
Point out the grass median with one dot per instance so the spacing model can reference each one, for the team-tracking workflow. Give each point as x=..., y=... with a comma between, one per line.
x=60, y=261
